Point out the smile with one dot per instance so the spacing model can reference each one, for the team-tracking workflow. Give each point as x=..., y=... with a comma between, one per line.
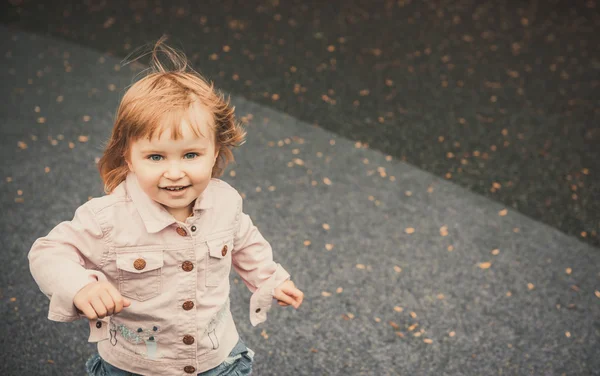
x=175, y=189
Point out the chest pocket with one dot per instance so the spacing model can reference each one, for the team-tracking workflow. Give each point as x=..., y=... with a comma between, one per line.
x=218, y=260
x=140, y=274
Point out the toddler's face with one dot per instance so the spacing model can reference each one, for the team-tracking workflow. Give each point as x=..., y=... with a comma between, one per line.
x=175, y=172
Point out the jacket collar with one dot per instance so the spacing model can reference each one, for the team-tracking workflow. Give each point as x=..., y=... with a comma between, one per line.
x=153, y=214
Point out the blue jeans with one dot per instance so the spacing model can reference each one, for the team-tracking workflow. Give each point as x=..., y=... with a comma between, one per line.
x=239, y=362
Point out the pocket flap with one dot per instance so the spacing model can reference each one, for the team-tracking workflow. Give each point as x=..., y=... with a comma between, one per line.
x=219, y=248
x=140, y=262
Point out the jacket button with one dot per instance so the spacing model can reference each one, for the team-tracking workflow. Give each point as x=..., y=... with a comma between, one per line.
x=188, y=305
x=98, y=324
x=188, y=340
x=181, y=231
x=189, y=369
x=139, y=264
x=224, y=250
x=187, y=266
x=257, y=310
x=193, y=228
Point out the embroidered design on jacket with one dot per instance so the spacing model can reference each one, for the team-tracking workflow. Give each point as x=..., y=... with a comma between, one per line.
x=136, y=337
x=216, y=320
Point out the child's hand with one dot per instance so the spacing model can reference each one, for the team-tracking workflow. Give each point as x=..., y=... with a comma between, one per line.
x=287, y=294
x=100, y=299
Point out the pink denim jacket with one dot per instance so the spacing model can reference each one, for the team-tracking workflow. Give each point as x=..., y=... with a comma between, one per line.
x=175, y=274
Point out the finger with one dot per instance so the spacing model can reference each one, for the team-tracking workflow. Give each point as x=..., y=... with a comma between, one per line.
x=286, y=299
x=296, y=294
x=88, y=311
x=117, y=299
x=108, y=302
x=126, y=302
x=99, y=307
x=283, y=304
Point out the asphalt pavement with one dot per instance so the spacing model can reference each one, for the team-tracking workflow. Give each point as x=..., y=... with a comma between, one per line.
x=405, y=272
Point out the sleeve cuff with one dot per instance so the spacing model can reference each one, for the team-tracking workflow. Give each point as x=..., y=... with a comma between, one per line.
x=262, y=299
x=99, y=329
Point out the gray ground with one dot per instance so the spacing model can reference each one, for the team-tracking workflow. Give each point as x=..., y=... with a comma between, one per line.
x=500, y=97
x=368, y=278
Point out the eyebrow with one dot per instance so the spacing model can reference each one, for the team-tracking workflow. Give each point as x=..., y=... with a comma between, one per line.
x=186, y=150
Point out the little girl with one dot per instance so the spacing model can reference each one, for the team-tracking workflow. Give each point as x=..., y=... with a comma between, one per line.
x=148, y=264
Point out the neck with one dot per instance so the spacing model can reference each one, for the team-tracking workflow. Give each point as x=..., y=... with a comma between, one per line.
x=181, y=214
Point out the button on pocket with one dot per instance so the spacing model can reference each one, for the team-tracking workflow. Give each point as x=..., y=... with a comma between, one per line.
x=140, y=274
x=219, y=260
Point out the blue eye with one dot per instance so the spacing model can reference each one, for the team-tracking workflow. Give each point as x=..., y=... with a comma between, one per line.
x=155, y=157
x=190, y=155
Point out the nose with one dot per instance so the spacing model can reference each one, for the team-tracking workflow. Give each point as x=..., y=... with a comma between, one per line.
x=174, y=172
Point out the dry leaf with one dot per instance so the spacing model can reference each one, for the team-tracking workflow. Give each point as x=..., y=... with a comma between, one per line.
x=452, y=334
x=502, y=212
x=568, y=270
x=83, y=138
x=485, y=265
x=328, y=246
x=568, y=334
x=325, y=293
x=326, y=226
x=360, y=266
x=307, y=243
x=428, y=341
x=397, y=269
x=530, y=286
x=409, y=230
x=495, y=252
x=398, y=309
x=339, y=290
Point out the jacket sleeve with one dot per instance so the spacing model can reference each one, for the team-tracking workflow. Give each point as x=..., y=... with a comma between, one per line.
x=252, y=259
x=58, y=262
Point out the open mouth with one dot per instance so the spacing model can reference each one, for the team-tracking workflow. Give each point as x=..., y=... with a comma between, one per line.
x=176, y=188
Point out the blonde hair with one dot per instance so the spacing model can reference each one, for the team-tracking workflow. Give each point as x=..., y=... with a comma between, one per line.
x=162, y=99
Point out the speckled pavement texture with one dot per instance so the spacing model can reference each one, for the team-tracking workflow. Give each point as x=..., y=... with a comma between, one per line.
x=500, y=97
x=405, y=273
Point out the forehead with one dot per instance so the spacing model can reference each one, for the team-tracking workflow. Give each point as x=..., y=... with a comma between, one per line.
x=195, y=121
